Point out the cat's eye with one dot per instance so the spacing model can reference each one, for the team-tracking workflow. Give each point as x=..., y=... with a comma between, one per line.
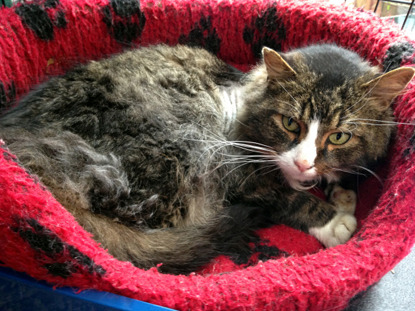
x=290, y=124
x=339, y=138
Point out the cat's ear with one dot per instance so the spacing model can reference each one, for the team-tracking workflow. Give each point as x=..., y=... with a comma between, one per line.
x=277, y=67
x=386, y=87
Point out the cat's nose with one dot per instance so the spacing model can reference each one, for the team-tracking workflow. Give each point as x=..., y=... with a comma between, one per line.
x=303, y=165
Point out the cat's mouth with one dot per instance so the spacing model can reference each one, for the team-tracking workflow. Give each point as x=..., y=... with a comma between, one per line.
x=301, y=181
x=297, y=179
x=303, y=185
x=309, y=184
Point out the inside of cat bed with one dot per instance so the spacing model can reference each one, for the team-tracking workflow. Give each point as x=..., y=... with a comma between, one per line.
x=289, y=268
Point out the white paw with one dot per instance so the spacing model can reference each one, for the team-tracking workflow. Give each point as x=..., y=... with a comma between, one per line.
x=344, y=200
x=337, y=231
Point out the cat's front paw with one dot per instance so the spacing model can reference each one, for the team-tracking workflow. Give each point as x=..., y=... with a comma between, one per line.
x=344, y=200
x=337, y=231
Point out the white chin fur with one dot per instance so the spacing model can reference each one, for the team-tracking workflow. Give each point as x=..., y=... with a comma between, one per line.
x=302, y=185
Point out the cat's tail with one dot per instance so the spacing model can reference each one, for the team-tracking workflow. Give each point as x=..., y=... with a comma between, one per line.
x=178, y=250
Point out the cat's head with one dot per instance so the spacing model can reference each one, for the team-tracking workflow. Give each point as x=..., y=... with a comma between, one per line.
x=321, y=110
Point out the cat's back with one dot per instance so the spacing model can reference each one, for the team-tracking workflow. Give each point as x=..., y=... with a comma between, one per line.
x=174, y=84
x=164, y=69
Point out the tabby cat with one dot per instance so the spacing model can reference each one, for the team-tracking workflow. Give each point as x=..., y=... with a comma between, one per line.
x=169, y=155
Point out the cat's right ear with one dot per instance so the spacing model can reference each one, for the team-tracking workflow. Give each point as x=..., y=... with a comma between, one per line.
x=386, y=87
x=277, y=67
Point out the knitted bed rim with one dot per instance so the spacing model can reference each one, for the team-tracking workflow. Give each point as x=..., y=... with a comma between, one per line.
x=45, y=38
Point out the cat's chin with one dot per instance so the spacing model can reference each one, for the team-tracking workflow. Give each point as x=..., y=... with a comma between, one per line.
x=307, y=184
x=303, y=185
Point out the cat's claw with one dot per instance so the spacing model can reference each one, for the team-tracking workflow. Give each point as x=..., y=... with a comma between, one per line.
x=344, y=200
x=337, y=231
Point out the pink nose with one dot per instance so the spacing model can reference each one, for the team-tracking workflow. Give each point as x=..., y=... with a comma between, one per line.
x=303, y=165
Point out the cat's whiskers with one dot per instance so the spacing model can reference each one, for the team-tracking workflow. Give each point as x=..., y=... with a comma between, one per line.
x=252, y=146
x=348, y=110
x=355, y=126
x=246, y=161
x=294, y=107
x=212, y=137
x=221, y=142
x=302, y=187
x=270, y=163
x=246, y=146
x=265, y=156
x=358, y=172
x=272, y=168
x=248, y=158
x=240, y=122
x=348, y=171
x=331, y=177
x=370, y=172
x=262, y=154
x=233, y=169
x=377, y=122
x=252, y=158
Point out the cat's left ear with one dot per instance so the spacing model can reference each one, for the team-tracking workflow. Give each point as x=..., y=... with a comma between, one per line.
x=385, y=88
x=277, y=67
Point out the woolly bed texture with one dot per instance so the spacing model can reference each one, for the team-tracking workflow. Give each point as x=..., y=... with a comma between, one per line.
x=290, y=269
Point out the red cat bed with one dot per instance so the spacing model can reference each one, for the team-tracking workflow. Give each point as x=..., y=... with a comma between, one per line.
x=289, y=269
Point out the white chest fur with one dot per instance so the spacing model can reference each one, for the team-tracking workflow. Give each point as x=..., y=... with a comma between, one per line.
x=232, y=101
